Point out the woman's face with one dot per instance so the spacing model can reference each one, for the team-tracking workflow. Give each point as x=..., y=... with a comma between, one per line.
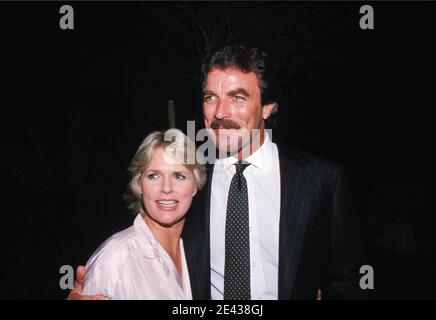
x=167, y=189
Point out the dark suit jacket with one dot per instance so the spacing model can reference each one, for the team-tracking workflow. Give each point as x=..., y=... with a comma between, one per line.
x=319, y=241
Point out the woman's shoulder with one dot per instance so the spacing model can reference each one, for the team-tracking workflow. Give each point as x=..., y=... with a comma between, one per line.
x=114, y=250
x=106, y=265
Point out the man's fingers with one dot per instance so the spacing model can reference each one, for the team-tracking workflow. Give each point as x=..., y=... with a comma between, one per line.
x=80, y=274
x=76, y=296
x=78, y=284
x=76, y=292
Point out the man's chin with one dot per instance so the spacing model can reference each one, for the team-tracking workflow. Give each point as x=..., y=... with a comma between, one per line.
x=227, y=150
x=228, y=142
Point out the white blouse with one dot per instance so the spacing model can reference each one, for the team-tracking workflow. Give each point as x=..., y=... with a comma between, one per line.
x=132, y=265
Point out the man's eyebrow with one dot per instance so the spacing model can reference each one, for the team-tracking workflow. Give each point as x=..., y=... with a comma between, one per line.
x=208, y=92
x=236, y=91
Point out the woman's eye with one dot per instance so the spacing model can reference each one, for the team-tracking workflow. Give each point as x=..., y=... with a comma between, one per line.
x=152, y=176
x=180, y=176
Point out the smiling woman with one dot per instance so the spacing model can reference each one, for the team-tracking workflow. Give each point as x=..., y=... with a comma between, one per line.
x=172, y=147
x=147, y=260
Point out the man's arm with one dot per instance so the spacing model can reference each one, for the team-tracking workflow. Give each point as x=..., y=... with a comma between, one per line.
x=76, y=292
x=345, y=250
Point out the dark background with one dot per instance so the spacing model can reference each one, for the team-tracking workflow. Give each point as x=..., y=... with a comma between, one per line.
x=75, y=104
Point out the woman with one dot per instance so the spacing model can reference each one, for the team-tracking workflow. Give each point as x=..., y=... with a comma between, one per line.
x=147, y=260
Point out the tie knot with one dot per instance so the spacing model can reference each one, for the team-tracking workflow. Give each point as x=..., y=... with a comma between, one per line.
x=241, y=166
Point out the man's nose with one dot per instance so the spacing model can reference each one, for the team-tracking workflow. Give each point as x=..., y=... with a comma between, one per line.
x=222, y=110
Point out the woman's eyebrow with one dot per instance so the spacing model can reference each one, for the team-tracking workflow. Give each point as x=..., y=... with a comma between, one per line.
x=152, y=170
x=182, y=171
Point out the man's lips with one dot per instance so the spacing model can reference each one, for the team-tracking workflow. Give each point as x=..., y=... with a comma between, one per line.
x=224, y=129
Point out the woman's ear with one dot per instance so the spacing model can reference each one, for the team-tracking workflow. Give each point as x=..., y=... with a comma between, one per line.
x=137, y=186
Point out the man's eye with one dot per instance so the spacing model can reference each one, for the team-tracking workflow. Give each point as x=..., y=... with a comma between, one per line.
x=208, y=98
x=239, y=97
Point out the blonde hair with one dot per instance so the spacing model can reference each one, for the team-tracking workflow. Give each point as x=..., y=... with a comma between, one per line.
x=181, y=149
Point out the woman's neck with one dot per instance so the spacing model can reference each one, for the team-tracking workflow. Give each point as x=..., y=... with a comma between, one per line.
x=168, y=238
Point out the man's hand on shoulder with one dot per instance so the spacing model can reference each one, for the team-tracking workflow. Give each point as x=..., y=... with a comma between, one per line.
x=76, y=292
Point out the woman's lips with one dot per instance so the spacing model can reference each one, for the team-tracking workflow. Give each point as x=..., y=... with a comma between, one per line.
x=167, y=204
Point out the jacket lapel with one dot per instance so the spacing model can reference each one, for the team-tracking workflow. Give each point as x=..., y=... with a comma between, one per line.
x=196, y=238
x=292, y=221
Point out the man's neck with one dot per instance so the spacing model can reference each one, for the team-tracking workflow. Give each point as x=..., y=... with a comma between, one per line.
x=253, y=146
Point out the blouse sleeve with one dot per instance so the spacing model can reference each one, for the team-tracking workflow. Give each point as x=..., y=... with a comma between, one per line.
x=103, y=271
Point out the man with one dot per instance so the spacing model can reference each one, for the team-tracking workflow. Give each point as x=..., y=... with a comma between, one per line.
x=272, y=223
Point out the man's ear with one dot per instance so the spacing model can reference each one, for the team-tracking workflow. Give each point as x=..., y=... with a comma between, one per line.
x=269, y=109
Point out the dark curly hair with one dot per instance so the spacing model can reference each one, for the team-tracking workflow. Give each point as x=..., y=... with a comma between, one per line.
x=247, y=60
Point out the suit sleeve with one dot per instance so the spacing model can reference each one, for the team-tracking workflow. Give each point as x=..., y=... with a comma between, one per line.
x=345, y=250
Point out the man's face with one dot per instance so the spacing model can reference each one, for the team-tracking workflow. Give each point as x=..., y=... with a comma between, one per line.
x=232, y=109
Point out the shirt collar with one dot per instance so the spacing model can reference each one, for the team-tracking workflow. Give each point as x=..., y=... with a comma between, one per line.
x=149, y=244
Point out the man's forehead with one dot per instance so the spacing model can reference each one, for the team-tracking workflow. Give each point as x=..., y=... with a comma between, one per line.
x=230, y=76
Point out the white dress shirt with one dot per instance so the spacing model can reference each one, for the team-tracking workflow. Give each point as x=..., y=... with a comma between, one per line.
x=263, y=183
x=132, y=265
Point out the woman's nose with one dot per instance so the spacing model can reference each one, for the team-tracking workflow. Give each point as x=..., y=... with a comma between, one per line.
x=167, y=186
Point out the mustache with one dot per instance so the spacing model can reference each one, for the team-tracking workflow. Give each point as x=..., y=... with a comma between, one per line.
x=225, y=124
